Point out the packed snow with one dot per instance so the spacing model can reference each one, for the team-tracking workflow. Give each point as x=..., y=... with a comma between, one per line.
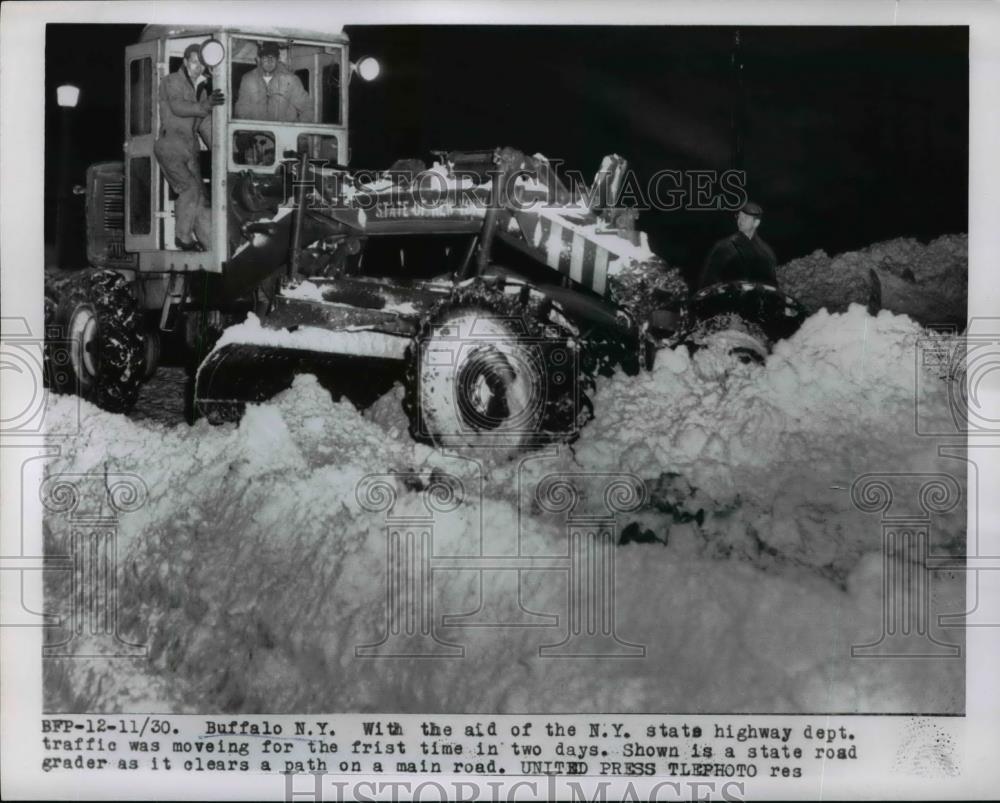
x=256, y=567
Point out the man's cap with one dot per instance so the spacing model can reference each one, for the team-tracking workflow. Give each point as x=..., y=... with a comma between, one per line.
x=751, y=208
x=269, y=49
x=192, y=49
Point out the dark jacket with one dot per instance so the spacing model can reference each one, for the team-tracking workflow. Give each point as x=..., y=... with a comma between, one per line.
x=282, y=100
x=181, y=109
x=739, y=258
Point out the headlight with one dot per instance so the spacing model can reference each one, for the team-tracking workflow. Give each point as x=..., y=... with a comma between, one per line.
x=212, y=52
x=368, y=68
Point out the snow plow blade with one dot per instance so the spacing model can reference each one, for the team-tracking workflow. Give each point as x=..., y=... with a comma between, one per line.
x=237, y=374
x=360, y=329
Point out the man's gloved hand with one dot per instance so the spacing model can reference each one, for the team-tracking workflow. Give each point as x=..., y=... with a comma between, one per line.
x=216, y=98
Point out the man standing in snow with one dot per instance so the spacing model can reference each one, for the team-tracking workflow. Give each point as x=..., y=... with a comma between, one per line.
x=271, y=91
x=185, y=112
x=742, y=256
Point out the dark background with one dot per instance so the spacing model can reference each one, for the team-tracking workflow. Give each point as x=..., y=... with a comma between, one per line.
x=847, y=135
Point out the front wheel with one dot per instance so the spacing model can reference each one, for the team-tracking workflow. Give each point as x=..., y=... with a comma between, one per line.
x=485, y=373
x=723, y=342
x=98, y=324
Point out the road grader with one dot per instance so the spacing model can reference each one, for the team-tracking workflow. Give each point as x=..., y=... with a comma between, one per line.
x=484, y=284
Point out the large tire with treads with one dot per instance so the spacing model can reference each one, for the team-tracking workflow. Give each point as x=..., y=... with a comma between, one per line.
x=486, y=372
x=96, y=338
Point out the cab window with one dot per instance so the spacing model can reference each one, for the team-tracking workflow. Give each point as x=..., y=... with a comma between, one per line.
x=253, y=148
x=331, y=93
x=308, y=89
x=321, y=147
x=141, y=94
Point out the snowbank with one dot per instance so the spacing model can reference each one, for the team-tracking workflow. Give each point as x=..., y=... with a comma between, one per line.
x=256, y=567
x=927, y=282
x=777, y=448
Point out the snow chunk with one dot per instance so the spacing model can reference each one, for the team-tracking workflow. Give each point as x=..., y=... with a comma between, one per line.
x=266, y=443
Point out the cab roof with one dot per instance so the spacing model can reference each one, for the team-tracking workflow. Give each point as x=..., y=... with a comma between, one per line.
x=333, y=35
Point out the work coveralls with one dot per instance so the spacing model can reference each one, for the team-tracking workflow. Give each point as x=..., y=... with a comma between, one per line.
x=739, y=258
x=283, y=99
x=182, y=118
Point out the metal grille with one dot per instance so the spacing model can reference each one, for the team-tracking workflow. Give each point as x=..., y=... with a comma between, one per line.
x=114, y=204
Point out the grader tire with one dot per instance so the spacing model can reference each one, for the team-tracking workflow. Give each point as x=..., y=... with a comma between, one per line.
x=485, y=373
x=97, y=325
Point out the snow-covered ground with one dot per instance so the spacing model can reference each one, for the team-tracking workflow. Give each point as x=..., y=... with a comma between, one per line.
x=256, y=566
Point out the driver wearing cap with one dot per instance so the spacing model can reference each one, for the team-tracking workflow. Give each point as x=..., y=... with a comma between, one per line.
x=743, y=255
x=271, y=91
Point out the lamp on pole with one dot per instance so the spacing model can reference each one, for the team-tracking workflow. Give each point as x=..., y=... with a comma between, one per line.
x=67, y=96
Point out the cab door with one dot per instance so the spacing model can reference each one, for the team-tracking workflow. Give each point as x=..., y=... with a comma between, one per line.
x=142, y=173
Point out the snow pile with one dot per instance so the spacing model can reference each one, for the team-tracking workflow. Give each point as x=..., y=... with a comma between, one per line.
x=258, y=565
x=770, y=453
x=927, y=282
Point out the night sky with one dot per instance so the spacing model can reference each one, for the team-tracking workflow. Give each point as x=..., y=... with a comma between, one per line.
x=847, y=135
